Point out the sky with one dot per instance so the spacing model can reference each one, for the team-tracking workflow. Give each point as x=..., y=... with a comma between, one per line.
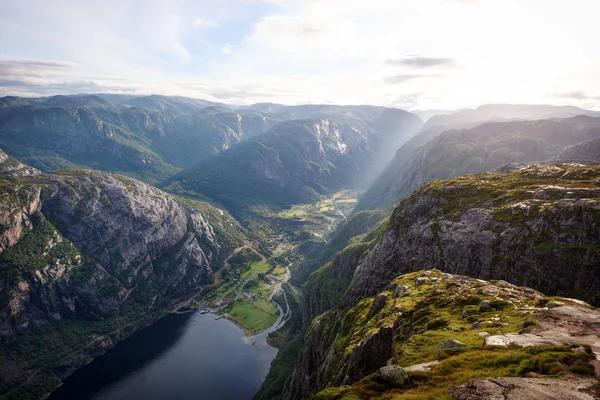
x=411, y=54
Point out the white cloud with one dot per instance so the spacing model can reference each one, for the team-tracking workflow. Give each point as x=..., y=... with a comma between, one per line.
x=227, y=49
x=204, y=23
x=347, y=51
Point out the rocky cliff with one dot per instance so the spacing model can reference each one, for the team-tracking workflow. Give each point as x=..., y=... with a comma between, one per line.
x=528, y=224
x=87, y=258
x=429, y=334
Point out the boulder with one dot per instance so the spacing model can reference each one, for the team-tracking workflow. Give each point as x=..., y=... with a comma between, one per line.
x=392, y=375
x=449, y=344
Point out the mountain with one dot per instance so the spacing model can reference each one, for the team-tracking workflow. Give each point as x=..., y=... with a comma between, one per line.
x=298, y=160
x=87, y=258
x=474, y=150
x=502, y=112
x=584, y=151
x=153, y=137
x=173, y=104
x=71, y=131
x=522, y=225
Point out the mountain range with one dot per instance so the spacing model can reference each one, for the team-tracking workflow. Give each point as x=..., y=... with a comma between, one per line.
x=471, y=254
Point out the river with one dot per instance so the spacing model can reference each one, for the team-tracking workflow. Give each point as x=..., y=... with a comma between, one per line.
x=182, y=356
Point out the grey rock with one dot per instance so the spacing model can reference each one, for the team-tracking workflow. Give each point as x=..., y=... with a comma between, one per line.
x=525, y=389
x=423, y=367
x=400, y=290
x=449, y=344
x=393, y=375
x=484, y=305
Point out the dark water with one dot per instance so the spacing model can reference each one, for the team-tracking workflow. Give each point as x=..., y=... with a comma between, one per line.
x=182, y=356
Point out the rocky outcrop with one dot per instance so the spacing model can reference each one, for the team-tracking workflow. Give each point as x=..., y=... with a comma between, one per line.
x=528, y=226
x=527, y=389
x=434, y=336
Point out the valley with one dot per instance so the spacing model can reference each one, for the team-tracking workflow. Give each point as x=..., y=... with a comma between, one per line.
x=291, y=243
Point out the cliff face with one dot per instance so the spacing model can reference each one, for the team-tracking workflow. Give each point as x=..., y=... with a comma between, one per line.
x=529, y=224
x=92, y=253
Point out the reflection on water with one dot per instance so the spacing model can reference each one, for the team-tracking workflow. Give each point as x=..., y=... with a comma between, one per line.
x=182, y=356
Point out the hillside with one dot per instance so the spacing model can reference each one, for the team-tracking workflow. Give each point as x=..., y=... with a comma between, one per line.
x=87, y=258
x=475, y=150
x=436, y=335
x=68, y=131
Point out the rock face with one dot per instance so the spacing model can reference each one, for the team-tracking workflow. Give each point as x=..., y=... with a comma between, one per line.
x=523, y=225
x=419, y=344
x=478, y=149
x=92, y=253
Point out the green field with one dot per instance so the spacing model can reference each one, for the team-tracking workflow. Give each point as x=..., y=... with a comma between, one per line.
x=253, y=317
x=294, y=212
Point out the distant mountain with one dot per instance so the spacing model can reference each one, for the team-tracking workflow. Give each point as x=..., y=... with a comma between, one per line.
x=502, y=112
x=69, y=131
x=479, y=149
x=425, y=115
x=88, y=101
x=298, y=160
x=585, y=151
x=153, y=137
x=174, y=104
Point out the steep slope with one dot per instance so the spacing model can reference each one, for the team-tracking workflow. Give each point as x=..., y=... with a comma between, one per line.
x=585, y=151
x=108, y=139
x=527, y=224
x=87, y=258
x=294, y=162
x=475, y=150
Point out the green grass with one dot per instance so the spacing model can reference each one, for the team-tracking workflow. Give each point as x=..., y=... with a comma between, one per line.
x=294, y=212
x=254, y=318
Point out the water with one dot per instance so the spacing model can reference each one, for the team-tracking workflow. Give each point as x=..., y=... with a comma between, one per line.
x=182, y=356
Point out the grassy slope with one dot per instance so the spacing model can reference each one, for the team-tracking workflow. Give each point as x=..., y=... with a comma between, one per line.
x=440, y=309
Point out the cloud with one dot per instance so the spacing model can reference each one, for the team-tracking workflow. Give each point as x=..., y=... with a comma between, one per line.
x=401, y=78
x=204, y=23
x=35, y=68
x=227, y=49
x=576, y=95
x=416, y=61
